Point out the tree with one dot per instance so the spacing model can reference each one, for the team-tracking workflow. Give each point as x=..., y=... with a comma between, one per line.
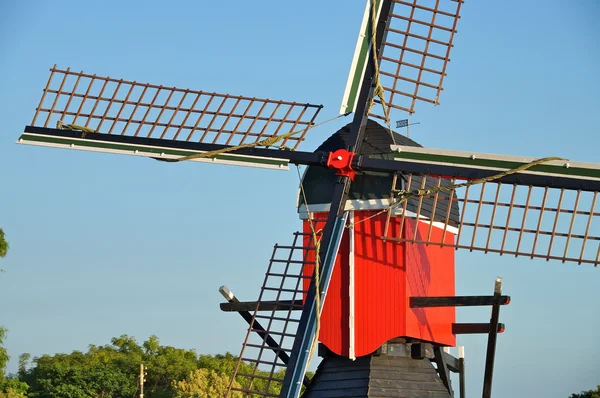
x=204, y=383
x=3, y=353
x=13, y=388
x=3, y=244
x=79, y=375
x=24, y=359
x=165, y=364
x=588, y=394
x=10, y=387
x=109, y=370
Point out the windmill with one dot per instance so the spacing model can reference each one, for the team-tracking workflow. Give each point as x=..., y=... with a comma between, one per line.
x=118, y=116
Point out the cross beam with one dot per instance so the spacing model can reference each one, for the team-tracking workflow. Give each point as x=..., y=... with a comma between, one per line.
x=258, y=329
x=171, y=150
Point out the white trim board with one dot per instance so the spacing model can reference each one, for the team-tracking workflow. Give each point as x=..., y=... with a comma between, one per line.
x=371, y=204
x=145, y=151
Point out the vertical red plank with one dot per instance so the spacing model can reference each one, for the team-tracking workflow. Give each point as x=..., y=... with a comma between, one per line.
x=380, y=293
x=430, y=272
x=334, y=331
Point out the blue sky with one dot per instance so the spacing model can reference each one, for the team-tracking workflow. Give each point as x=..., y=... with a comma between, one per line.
x=103, y=245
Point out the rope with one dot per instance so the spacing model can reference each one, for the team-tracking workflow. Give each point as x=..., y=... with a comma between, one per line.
x=317, y=245
x=378, y=91
x=406, y=195
x=266, y=142
x=74, y=127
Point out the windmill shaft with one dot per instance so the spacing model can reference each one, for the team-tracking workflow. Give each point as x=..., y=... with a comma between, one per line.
x=307, y=327
x=332, y=235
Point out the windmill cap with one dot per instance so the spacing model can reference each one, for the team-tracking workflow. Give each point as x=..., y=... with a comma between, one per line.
x=369, y=190
x=318, y=182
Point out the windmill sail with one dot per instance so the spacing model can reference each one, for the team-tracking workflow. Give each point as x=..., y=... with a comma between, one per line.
x=414, y=57
x=548, y=211
x=260, y=370
x=103, y=114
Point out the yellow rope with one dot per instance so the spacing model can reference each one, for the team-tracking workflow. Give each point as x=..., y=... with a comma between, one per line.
x=266, y=142
x=406, y=195
x=74, y=127
x=317, y=272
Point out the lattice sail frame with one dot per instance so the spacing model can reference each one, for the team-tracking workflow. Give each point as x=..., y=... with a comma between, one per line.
x=552, y=223
x=283, y=284
x=161, y=114
x=414, y=54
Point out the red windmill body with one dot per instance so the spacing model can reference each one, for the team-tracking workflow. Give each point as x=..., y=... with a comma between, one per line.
x=368, y=296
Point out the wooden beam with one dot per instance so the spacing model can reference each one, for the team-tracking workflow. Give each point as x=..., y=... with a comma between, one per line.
x=474, y=328
x=442, y=367
x=283, y=305
x=458, y=301
x=259, y=329
x=491, y=346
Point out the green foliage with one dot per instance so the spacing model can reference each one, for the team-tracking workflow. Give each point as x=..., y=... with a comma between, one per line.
x=166, y=364
x=225, y=365
x=3, y=353
x=204, y=383
x=23, y=363
x=10, y=393
x=13, y=388
x=111, y=371
x=588, y=394
x=3, y=244
x=80, y=375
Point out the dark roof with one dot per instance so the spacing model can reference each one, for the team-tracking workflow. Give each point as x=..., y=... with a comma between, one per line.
x=376, y=376
x=319, y=181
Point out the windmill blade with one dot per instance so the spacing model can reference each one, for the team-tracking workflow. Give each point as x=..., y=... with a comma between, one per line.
x=548, y=211
x=104, y=114
x=260, y=369
x=415, y=53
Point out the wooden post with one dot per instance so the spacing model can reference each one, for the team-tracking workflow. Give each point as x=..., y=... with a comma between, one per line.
x=461, y=373
x=142, y=380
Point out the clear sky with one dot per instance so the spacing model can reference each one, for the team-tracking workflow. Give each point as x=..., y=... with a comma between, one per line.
x=103, y=245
